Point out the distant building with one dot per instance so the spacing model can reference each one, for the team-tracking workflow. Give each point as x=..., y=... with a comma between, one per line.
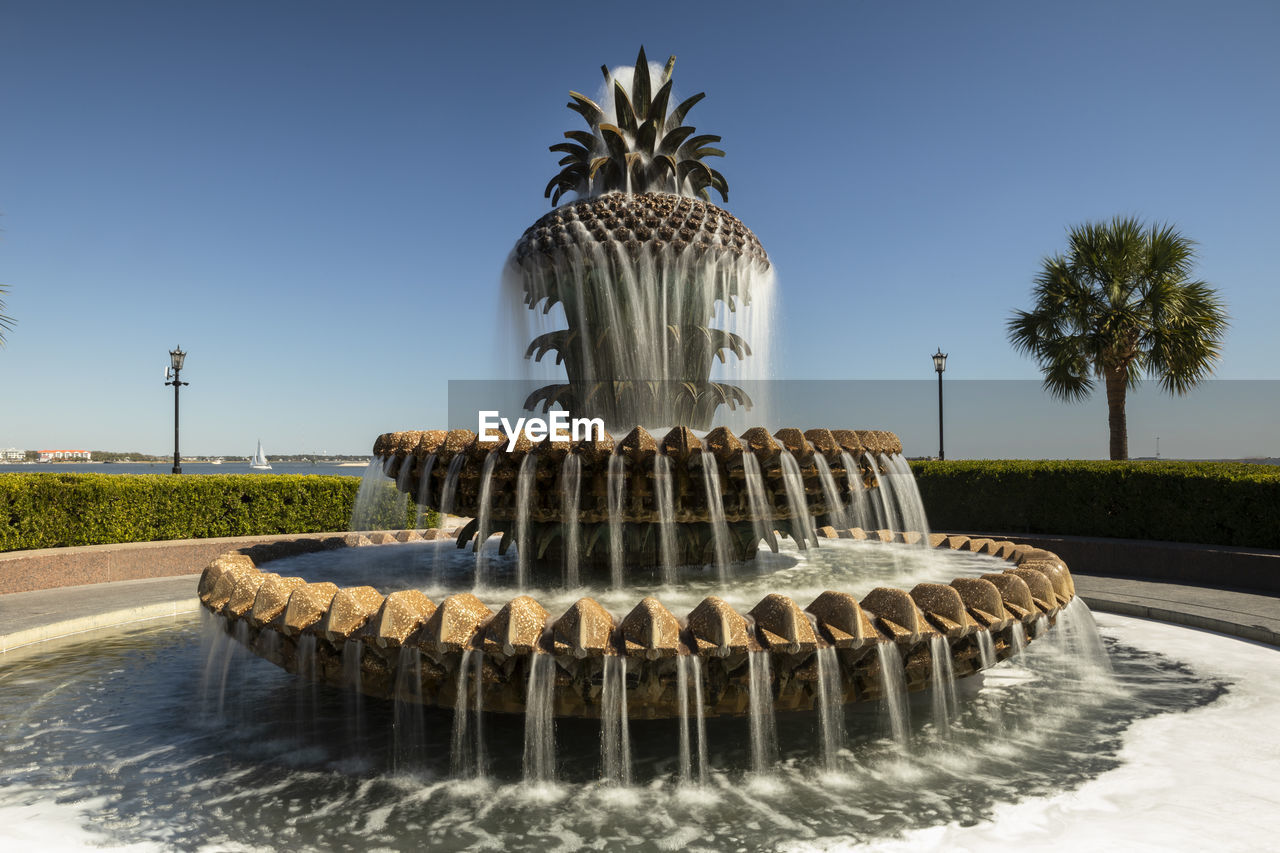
x=56, y=455
x=13, y=454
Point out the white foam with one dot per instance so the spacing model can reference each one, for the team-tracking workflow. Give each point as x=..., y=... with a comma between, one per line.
x=51, y=827
x=1205, y=779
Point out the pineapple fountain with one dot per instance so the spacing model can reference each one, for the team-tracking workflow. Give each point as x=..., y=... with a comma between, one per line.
x=656, y=288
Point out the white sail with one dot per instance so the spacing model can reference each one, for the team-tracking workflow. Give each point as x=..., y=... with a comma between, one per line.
x=259, y=459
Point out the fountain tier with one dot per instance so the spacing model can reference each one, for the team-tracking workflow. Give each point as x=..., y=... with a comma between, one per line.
x=715, y=505
x=276, y=616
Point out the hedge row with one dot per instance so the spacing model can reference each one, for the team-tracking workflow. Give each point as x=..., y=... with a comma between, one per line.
x=1206, y=502
x=54, y=510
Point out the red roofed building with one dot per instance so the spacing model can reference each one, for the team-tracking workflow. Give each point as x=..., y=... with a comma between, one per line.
x=59, y=455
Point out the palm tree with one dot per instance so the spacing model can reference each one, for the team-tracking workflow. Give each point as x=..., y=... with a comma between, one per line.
x=6, y=323
x=1120, y=304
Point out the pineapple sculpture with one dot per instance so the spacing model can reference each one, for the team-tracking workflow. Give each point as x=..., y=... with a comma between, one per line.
x=641, y=261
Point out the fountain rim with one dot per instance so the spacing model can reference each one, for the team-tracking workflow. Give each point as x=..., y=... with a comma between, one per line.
x=1030, y=593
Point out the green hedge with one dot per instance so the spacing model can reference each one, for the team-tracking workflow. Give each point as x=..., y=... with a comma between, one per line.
x=1206, y=502
x=54, y=510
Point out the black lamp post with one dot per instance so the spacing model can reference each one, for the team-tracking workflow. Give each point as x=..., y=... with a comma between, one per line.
x=176, y=358
x=940, y=364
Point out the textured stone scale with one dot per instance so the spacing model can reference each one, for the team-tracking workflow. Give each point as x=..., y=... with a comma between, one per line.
x=235, y=591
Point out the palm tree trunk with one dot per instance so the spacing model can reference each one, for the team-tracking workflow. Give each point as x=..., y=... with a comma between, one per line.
x=1117, y=385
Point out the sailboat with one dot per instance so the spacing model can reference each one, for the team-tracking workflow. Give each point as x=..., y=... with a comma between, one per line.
x=259, y=459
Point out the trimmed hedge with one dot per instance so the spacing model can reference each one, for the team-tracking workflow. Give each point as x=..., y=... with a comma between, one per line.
x=55, y=510
x=1204, y=502
x=1210, y=503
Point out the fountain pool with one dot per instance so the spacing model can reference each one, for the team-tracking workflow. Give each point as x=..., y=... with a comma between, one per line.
x=108, y=742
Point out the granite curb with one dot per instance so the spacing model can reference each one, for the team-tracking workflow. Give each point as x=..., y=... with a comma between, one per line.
x=1218, y=566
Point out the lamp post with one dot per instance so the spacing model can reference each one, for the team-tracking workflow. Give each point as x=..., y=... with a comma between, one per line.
x=176, y=358
x=940, y=364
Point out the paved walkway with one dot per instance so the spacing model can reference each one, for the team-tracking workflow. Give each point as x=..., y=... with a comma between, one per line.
x=33, y=617
x=1250, y=615
x=47, y=614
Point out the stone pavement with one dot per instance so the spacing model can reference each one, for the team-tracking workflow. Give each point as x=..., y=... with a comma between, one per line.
x=47, y=614
x=1250, y=615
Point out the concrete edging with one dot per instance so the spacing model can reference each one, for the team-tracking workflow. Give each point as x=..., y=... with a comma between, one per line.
x=46, y=568
x=98, y=621
x=1219, y=566
x=1120, y=607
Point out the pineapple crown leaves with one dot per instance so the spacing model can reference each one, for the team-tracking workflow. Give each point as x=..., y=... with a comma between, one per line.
x=645, y=148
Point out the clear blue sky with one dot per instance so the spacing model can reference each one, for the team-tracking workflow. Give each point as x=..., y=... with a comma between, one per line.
x=315, y=199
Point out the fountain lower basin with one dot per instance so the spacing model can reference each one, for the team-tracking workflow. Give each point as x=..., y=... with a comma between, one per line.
x=115, y=741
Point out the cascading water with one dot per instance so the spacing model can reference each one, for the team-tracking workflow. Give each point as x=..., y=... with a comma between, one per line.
x=689, y=675
x=570, y=496
x=352, y=675
x=424, y=489
x=409, y=727
x=539, y=719
x=986, y=649
x=483, y=520
x=1081, y=646
x=448, y=493
x=943, y=685
x=677, y=311
x=617, y=481
x=907, y=493
x=402, y=481
x=615, y=735
x=524, y=494
x=860, y=514
x=830, y=706
x=715, y=509
x=893, y=689
x=466, y=750
x=1018, y=638
x=883, y=499
x=373, y=489
x=764, y=730
x=761, y=512
x=308, y=672
x=802, y=529
x=216, y=645
x=835, y=505
x=233, y=653
x=665, y=503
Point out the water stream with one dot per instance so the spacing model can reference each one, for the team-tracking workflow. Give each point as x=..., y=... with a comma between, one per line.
x=836, y=516
x=893, y=688
x=570, y=494
x=539, y=720
x=830, y=706
x=524, y=495
x=665, y=501
x=617, y=481
x=483, y=529
x=615, y=736
x=761, y=511
x=801, y=522
x=763, y=725
x=715, y=509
